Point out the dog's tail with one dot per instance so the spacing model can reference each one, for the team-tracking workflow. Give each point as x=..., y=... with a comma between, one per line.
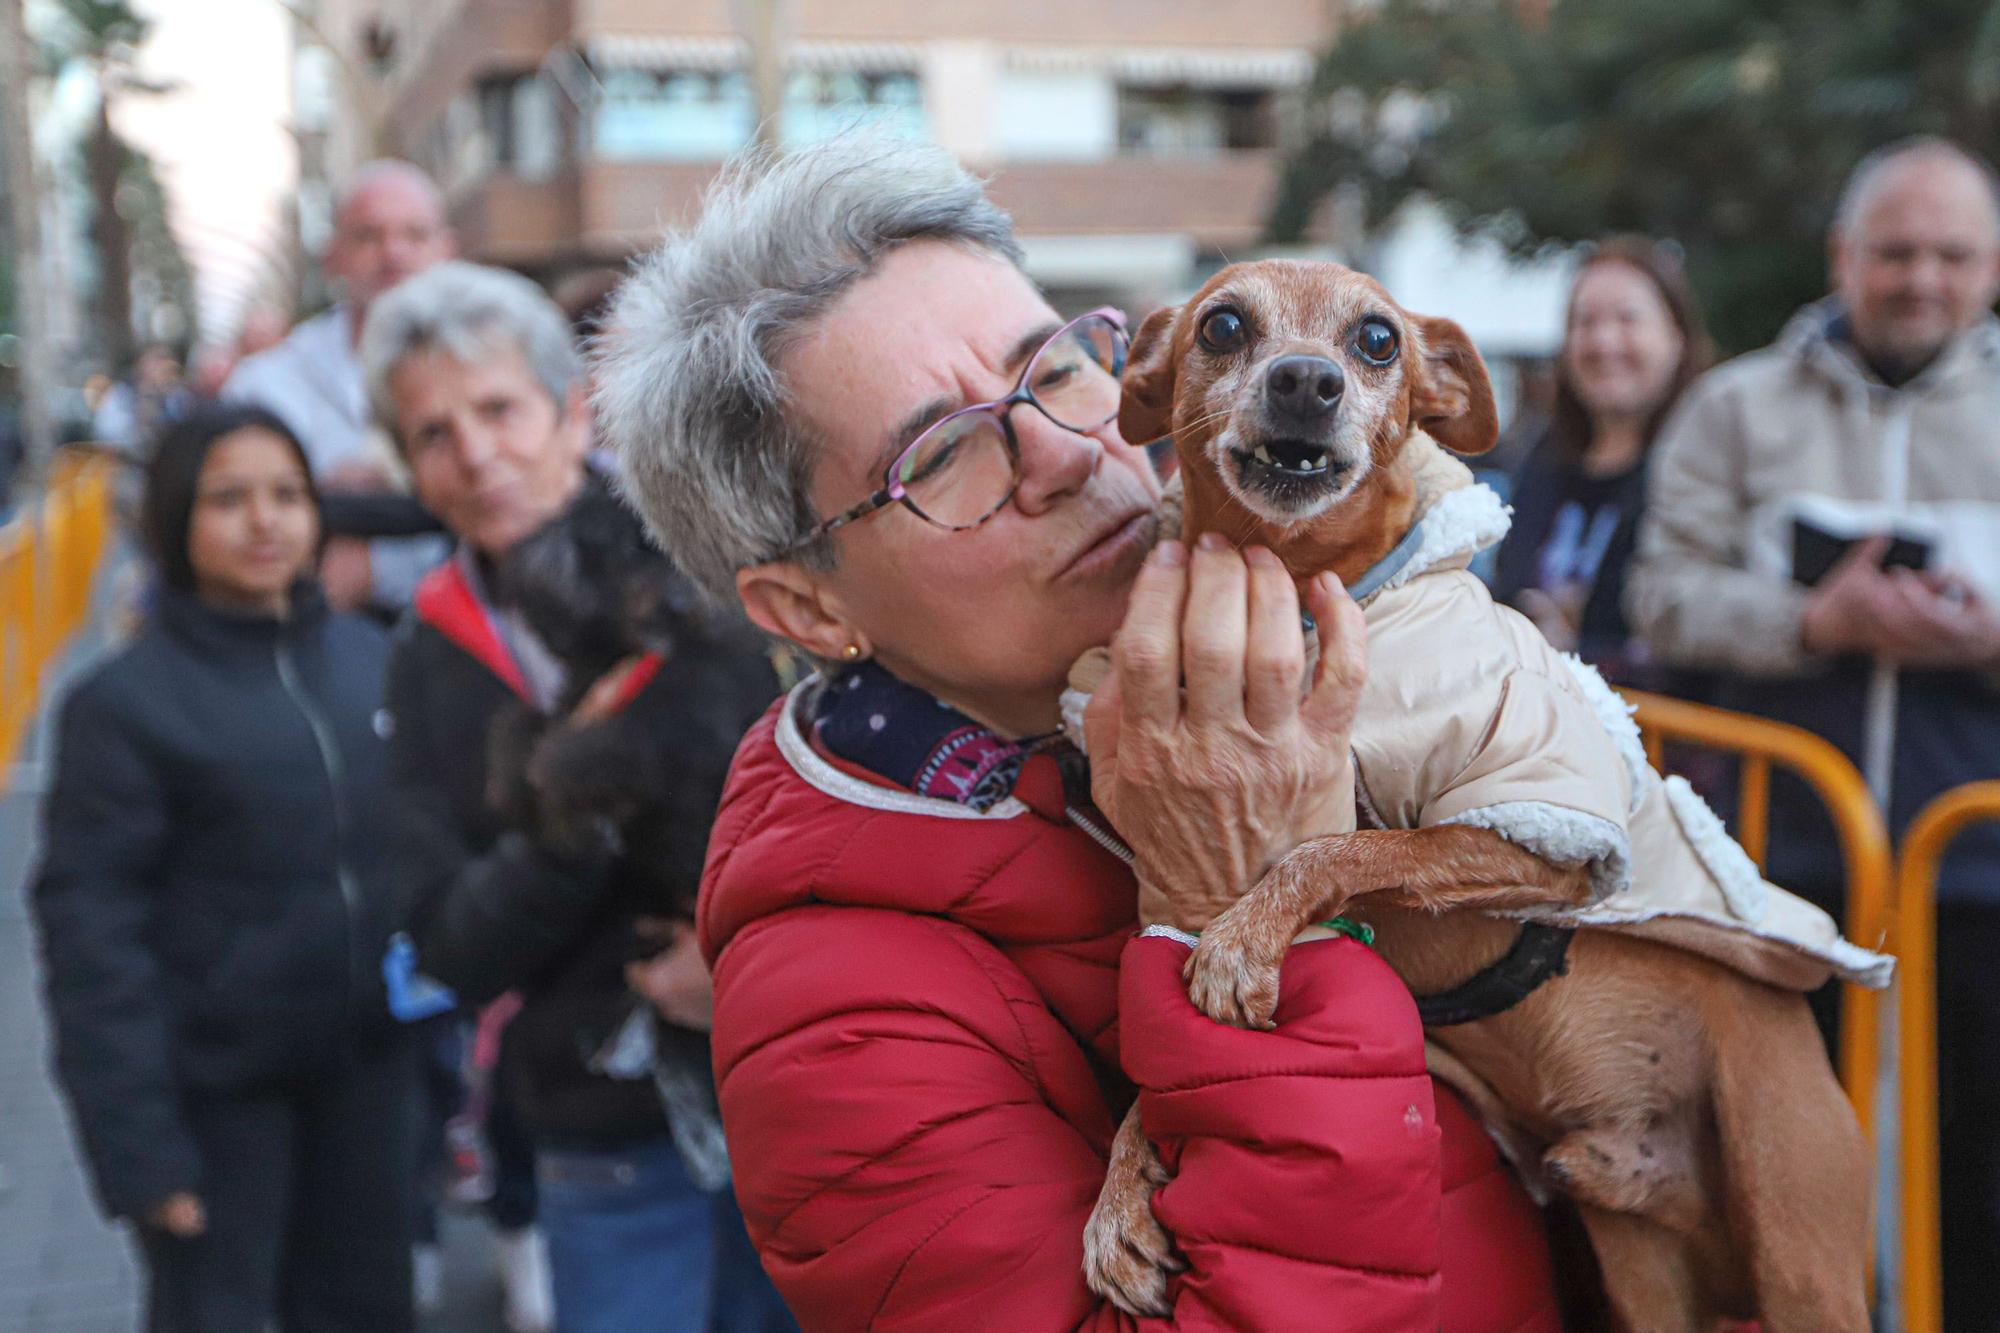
x=1796, y=1169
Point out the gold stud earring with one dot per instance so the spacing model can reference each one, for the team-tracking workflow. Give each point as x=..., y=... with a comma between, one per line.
x=852, y=652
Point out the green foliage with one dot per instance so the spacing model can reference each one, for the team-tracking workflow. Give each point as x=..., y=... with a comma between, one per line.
x=100, y=30
x=1725, y=126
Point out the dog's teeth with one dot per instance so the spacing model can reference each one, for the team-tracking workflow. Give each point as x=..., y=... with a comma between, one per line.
x=1263, y=455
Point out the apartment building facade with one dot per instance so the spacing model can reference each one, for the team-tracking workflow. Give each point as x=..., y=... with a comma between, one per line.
x=1134, y=141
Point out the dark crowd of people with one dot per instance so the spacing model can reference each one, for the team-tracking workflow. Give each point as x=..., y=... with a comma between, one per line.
x=370, y=874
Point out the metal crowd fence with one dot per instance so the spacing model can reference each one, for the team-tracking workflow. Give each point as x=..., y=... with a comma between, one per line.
x=1925, y=843
x=1758, y=743
x=49, y=555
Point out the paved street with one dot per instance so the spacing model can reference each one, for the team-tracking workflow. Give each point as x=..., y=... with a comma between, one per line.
x=62, y=1268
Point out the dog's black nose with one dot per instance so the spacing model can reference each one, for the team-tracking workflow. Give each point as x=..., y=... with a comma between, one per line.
x=1304, y=388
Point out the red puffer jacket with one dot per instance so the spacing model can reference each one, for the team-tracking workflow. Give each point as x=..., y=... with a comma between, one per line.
x=921, y=1063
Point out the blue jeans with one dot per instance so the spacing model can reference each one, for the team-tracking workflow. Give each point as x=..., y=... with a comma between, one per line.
x=634, y=1247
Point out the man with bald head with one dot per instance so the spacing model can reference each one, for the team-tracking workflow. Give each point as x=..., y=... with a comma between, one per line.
x=389, y=225
x=1875, y=418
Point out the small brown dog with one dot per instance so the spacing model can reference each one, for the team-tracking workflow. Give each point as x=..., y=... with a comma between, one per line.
x=1663, y=1071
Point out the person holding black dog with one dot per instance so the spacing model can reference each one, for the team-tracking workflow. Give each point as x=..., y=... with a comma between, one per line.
x=213, y=913
x=514, y=877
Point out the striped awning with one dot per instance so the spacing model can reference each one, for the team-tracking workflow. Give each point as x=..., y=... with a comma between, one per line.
x=1202, y=67
x=1209, y=67
x=651, y=53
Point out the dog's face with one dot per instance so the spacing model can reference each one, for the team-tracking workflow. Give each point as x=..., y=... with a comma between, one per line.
x=1290, y=382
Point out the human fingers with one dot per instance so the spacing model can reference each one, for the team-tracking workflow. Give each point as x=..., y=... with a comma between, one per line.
x=1100, y=723
x=1863, y=560
x=1213, y=631
x=1951, y=586
x=1276, y=656
x=181, y=1216
x=1343, y=659
x=1146, y=654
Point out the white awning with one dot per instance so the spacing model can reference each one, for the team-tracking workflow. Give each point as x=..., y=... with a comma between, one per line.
x=619, y=52
x=1248, y=67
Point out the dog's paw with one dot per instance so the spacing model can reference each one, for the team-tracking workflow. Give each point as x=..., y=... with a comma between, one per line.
x=1232, y=975
x=1127, y=1255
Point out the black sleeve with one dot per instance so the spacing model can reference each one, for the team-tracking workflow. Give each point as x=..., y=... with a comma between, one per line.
x=483, y=923
x=105, y=833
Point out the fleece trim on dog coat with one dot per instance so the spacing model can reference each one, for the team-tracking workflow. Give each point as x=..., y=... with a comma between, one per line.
x=1470, y=717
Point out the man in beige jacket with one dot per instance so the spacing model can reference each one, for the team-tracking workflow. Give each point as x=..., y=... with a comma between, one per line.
x=1875, y=414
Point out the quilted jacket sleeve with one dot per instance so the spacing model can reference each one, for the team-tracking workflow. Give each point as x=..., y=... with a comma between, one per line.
x=1689, y=595
x=918, y=1142
x=106, y=834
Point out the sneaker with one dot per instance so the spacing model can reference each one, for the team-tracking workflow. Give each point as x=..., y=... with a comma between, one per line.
x=528, y=1301
x=427, y=1277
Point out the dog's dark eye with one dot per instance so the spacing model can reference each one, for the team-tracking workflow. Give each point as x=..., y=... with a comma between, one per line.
x=1221, y=330
x=1376, y=341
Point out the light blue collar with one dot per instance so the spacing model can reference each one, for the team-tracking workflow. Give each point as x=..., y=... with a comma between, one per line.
x=1389, y=565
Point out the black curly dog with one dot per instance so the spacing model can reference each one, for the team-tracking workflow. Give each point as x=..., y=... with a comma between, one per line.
x=646, y=780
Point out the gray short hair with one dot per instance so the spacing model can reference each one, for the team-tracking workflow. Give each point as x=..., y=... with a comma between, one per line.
x=466, y=310
x=1859, y=189
x=687, y=387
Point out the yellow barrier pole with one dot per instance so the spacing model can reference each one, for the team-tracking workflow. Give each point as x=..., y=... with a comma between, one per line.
x=1924, y=846
x=48, y=560
x=18, y=639
x=1864, y=849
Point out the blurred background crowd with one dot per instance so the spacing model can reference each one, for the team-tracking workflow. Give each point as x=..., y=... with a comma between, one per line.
x=319, y=273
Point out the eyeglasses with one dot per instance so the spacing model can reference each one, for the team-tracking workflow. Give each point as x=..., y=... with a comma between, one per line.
x=964, y=469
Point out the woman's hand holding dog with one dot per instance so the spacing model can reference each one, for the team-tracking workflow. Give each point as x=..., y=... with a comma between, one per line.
x=1203, y=754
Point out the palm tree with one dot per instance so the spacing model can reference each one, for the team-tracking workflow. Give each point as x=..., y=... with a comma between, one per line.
x=104, y=36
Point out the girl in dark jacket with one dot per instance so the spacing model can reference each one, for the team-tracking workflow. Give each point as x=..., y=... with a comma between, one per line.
x=211, y=926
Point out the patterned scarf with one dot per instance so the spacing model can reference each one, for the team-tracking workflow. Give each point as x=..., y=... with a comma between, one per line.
x=866, y=717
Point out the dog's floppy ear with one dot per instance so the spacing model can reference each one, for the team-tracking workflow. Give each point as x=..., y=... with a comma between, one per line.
x=1451, y=397
x=1146, y=411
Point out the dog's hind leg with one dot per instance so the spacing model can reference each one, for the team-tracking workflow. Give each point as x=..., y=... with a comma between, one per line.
x=1649, y=1279
x=1796, y=1168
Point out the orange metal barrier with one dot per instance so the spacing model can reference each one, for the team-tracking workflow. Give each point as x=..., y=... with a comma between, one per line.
x=1864, y=843
x=48, y=562
x=1924, y=844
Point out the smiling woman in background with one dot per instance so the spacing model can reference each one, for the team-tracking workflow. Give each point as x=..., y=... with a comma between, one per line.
x=211, y=916
x=1633, y=341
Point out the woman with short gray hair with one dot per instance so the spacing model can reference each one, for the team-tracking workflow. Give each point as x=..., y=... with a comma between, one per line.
x=838, y=399
x=466, y=310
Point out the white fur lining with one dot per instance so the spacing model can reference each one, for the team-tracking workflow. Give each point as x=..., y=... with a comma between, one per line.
x=1616, y=715
x=1863, y=967
x=1462, y=523
x=1561, y=836
x=1743, y=886
x=805, y=760
x=1074, y=702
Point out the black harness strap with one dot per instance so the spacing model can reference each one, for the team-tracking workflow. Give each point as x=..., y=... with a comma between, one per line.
x=1539, y=952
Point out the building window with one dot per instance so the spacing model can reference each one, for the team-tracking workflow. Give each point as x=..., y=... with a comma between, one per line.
x=520, y=125
x=820, y=105
x=1055, y=116
x=701, y=115
x=1186, y=120
x=675, y=115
